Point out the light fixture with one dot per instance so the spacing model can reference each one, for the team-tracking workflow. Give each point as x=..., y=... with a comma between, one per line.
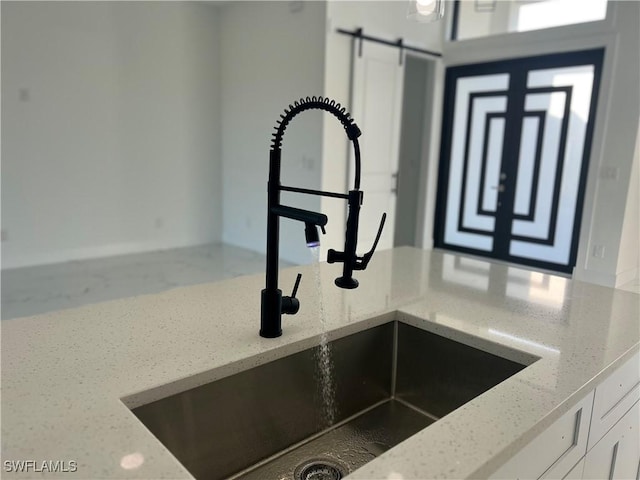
x=425, y=11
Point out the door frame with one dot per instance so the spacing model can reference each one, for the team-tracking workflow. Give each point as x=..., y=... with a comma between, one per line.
x=594, y=56
x=430, y=111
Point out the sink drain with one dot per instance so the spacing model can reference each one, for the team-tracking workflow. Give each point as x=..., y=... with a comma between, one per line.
x=319, y=469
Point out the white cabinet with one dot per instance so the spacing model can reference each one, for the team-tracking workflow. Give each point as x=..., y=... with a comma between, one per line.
x=554, y=452
x=617, y=454
x=576, y=472
x=599, y=438
x=614, y=396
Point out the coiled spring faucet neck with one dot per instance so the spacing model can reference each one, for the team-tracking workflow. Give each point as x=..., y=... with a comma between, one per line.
x=328, y=105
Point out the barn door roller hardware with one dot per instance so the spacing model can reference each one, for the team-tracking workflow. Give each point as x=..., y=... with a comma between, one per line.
x=359, y=35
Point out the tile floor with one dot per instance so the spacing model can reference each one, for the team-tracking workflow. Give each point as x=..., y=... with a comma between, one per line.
x=35, y=290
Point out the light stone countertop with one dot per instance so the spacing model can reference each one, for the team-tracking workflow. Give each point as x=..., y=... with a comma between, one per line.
x=69, y=378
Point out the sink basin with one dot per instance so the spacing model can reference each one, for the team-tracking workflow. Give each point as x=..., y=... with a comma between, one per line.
x=271, y=421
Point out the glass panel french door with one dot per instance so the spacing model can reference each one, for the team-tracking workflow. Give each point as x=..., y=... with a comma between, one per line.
x=515, y=146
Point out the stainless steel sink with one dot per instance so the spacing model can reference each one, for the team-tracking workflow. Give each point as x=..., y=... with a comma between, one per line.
x=269, y=422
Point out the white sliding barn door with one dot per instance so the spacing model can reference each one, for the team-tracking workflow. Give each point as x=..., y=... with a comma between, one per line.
x=376, y=106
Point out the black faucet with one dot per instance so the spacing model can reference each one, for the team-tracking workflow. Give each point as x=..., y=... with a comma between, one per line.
x=273, y=303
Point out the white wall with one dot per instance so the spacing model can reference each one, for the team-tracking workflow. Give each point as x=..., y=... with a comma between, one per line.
x=384, y=19
x=110, y=138
x=629, y=256
x=614, y=148
x=271, y=55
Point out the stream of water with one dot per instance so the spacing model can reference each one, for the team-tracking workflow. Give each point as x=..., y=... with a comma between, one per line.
x=324, y=358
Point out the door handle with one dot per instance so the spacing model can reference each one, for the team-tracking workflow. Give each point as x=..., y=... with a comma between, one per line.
x=500, y=188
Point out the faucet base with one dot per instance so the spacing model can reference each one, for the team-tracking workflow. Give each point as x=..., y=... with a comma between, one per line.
x=271, y=313
x=346, y=282
x=270, y=334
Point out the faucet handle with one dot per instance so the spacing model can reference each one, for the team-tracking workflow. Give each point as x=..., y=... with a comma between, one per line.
x=364, y=260
x=291, y=305
x=361, y=263
x=296, y=285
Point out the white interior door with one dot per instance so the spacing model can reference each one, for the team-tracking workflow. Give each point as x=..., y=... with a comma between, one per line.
x=376, y=106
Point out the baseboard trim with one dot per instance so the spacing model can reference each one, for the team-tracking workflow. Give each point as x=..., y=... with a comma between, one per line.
x=592, y=276
x=62, y=256
x=627, y=276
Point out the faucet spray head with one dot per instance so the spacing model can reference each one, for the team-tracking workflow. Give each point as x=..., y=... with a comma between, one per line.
x=311, y=235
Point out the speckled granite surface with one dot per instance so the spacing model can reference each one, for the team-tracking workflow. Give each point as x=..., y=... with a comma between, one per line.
x=69, y=378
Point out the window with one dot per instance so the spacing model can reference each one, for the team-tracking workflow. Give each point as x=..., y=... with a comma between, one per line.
x=482, y=18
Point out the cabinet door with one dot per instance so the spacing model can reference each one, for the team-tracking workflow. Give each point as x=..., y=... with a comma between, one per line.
x=554, y=452
x=617, y=454
x=613, y=398
x=576, y=472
